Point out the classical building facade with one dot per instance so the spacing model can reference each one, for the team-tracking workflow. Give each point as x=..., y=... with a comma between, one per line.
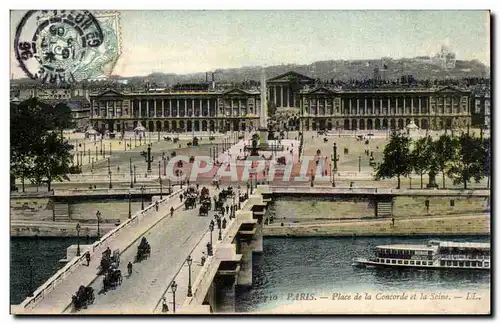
x=481, y=114
x=366, y=109
x=182, y=111
x=316, y=107
x=283, y=90
x=76, y=99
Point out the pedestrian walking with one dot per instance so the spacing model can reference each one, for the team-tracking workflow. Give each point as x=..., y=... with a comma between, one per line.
x=393, y=221
x=227, y=209
x=171, y=211
x=164, y=306
x=181, y=196
x=87, y=257
x=156, y=205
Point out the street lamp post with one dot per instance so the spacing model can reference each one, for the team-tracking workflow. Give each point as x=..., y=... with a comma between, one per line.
x=359, y=163
x=110, y=184
x=98, y=215
x=174, y=288
x=189, y=261
x=220, y=230
x=161, y=188
x=239, y=197
x=149, y=158
x=142, y=196
x=78, y=239
x=129, y=205
x=164, y=158
x=135, y=173
x=131, y=178
x=211, y=227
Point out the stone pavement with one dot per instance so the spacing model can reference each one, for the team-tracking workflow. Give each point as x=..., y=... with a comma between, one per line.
x=57, y=300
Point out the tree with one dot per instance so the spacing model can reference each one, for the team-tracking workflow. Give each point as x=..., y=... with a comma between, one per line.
x=397, y=159
x=420, y=156
x=444, y=149
x=467, y=161
x=53, y=160
x=37, y=152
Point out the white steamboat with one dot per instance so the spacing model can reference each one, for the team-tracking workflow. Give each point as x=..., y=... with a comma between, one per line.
x=434, y=255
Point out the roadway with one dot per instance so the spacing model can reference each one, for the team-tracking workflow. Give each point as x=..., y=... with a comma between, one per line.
x=171, y=240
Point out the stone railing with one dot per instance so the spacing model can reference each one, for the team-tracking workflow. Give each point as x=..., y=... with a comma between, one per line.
x=101, y=191
x=73, y=264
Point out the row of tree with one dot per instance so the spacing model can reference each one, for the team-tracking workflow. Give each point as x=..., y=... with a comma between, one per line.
x=461, y=158
x=38, y=151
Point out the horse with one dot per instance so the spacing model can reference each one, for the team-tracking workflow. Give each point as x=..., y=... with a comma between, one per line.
x=112, y=279
x=84, y=297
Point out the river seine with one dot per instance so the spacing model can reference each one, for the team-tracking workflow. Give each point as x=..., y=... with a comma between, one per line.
x=304, y=268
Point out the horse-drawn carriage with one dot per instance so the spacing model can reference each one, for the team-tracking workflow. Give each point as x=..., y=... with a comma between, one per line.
x=109, y=260
x=218, y=204
x=84, y=297
x=372, y=161
x=112, y=279
x=143, y=250
x=190, y=202
x=204, y=208
x=204, y=194
x=225, y=193
x=281, y=160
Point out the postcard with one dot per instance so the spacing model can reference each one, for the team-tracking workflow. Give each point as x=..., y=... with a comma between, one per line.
x=168, y=162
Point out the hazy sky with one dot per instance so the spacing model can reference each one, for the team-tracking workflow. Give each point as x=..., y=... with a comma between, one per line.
x=198, y=41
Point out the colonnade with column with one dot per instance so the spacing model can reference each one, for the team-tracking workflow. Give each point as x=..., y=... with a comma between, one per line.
x=173, y=107
x=281, y=95
x=384, y=122
x=178, y=124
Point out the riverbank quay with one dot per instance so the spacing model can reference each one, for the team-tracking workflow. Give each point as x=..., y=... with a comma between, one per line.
x=462, y=224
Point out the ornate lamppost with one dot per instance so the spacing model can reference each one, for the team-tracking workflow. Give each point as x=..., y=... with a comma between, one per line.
x=174, y=288
x=142, y=196
x=209, y=249
x=110, y=183
x=164, y=158
x=129, y=204
x=131, y=179
x=98, y=215
x=149, y=158
x=189, y=261
x=78, y=239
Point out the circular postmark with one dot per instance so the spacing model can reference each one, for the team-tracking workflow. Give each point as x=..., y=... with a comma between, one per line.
x=52, y=45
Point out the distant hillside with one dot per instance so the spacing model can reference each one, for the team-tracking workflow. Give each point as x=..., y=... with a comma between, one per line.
x=338, y=69
x=325, y=70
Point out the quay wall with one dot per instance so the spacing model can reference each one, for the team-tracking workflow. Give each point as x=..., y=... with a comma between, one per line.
x=469, y=224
